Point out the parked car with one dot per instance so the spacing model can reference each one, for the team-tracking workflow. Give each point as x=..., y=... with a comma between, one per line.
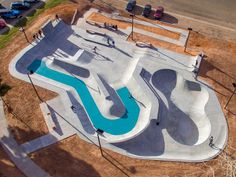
x=131, y=5
x=10, y=14
x=2, y=23
x=159, y=12
x=20, y=5
x=30, y=1
x=147, y=10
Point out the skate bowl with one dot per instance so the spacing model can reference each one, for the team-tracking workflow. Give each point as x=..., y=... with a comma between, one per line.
x=184, y=115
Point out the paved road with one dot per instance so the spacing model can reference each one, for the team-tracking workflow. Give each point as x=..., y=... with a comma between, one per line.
x=221, y=12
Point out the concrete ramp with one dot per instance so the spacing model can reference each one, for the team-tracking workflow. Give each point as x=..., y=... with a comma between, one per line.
x=186, y=120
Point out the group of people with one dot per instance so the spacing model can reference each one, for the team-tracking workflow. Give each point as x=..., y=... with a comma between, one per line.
x=38, y=35
x=107, y=25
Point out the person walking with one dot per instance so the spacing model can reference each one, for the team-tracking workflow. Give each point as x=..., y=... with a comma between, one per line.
x=211, y=144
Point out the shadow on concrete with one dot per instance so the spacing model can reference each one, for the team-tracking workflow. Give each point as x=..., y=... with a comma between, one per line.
x=55, y=38
x=118, y=32
x=177, y=123
x=72, y=69
x=95, y=42
x=108, y=39
x=55, y=120
x=193, y=86
x=149, y=143
x=117, y=109
x=103, y=58
x=81, y=114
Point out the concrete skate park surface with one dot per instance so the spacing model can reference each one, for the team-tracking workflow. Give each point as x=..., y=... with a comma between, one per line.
x=159, y=84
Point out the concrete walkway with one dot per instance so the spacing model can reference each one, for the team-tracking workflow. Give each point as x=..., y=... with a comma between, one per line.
x=17, y=155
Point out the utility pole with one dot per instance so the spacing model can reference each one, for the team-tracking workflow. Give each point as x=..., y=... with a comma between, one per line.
x=132, y=32
x=185, y=45
x=23, y=31
x=100, y=132
x=28, y=74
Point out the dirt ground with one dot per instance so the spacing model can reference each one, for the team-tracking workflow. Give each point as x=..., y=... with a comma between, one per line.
x=7, y=168
x=84, y=159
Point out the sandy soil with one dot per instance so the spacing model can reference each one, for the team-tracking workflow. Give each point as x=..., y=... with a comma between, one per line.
x=85, y=160
x=74, y=157
x=121, y=24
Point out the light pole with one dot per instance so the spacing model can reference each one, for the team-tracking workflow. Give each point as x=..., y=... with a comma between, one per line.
x=132, y=15
x=28, y=74
x=23, y=30
x=234, y=85
x=185, y=46
x=100, y=132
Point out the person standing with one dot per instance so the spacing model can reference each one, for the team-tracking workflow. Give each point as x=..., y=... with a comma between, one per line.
x=40, y=33
x=57, y=17
x=95, y=49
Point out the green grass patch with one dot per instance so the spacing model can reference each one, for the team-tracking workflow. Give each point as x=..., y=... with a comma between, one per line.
x=6, y=38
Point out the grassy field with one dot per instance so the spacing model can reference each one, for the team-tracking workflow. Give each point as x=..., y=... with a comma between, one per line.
x=6, y=38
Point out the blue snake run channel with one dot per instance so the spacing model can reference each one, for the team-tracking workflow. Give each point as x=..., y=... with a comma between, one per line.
x=117, y=126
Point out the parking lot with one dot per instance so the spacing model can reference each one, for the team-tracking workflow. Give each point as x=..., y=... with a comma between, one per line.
x=22, y=17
